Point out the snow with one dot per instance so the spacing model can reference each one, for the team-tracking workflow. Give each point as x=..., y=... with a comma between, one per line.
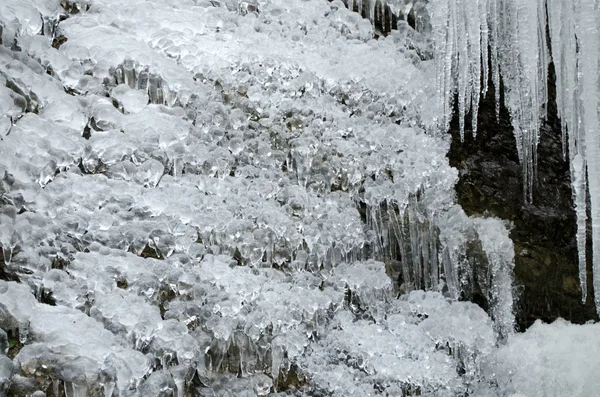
x=210, y=197
x=555, y=359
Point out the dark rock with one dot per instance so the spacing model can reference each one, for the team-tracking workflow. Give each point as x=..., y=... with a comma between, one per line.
x=491, y=183
x=6, y=273
x=58, y=41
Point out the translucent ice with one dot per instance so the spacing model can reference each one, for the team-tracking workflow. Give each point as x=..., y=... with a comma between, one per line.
x=132, y=100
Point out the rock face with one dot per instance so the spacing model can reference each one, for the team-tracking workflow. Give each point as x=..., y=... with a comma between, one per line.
x=546, y=269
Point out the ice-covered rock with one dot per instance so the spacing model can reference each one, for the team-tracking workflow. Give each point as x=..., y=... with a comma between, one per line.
x=205, y=196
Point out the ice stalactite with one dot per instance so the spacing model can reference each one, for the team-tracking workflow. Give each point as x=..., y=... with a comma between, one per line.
x=588, y=37
x=464, y=34
x=563, y=40
x=460, y=43
x=574, y=32
x=385, y=15
x=524, y=73
x=511, y=37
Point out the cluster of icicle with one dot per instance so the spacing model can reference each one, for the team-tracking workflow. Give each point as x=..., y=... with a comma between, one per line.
x=508, y=38
x=385, y=14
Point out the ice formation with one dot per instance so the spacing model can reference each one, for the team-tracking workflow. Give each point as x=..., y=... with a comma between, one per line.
x=477, y=42
x=511, y=36
x=574, y=32
x=209, y=197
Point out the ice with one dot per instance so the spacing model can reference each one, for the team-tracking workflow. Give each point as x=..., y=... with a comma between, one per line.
x=3, y=342
x=160, y=383
x=131, y=100
x=521, y=50
x=128, y=315
x=6, y=373
x=17, y=307
x=462, y=34
x=573, y=27
x=499, y=250
x=149, y=173
x=130, y=366
x=210, y=198
x=404, y=353
x=83, y=338
x=589, y=58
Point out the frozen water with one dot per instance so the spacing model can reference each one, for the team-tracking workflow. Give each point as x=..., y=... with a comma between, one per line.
x=499, y=250
x=515, y=31
x=210, y=197
x=131, y=100
x=7, y=371
x=524, y=37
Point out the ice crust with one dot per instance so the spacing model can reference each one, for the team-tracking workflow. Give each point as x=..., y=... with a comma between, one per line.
x=209, y=198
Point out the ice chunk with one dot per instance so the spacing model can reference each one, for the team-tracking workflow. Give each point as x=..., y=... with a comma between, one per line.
x=7, y=371
x=3, y=342
x=97, y=348
x=127, y=315
x=16, y=307
x=404, y=353
x=149, y=173
x=130, y=99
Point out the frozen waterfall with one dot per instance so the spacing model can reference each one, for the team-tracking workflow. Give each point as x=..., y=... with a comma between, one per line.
x=252, y=198
x=511, y=37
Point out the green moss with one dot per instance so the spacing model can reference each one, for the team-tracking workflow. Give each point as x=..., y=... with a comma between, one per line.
x=122, y=283
x=14, y=346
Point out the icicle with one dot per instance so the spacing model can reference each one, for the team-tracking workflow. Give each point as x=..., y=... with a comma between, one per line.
x=564, y=55
x=494, y=39
x=178, y=373
x=443, y=33
x=579, y=197
x=461, y=32
x=523, y=58
x=109, y=388
x=450, y=270
x=589, y=55
x=485, y=33
x=574, y=38
x=515, y=31
x=433, y=258
x=499, y=250
x=277, y=356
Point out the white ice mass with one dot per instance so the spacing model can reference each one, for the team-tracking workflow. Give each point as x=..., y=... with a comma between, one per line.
x=207, y=197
